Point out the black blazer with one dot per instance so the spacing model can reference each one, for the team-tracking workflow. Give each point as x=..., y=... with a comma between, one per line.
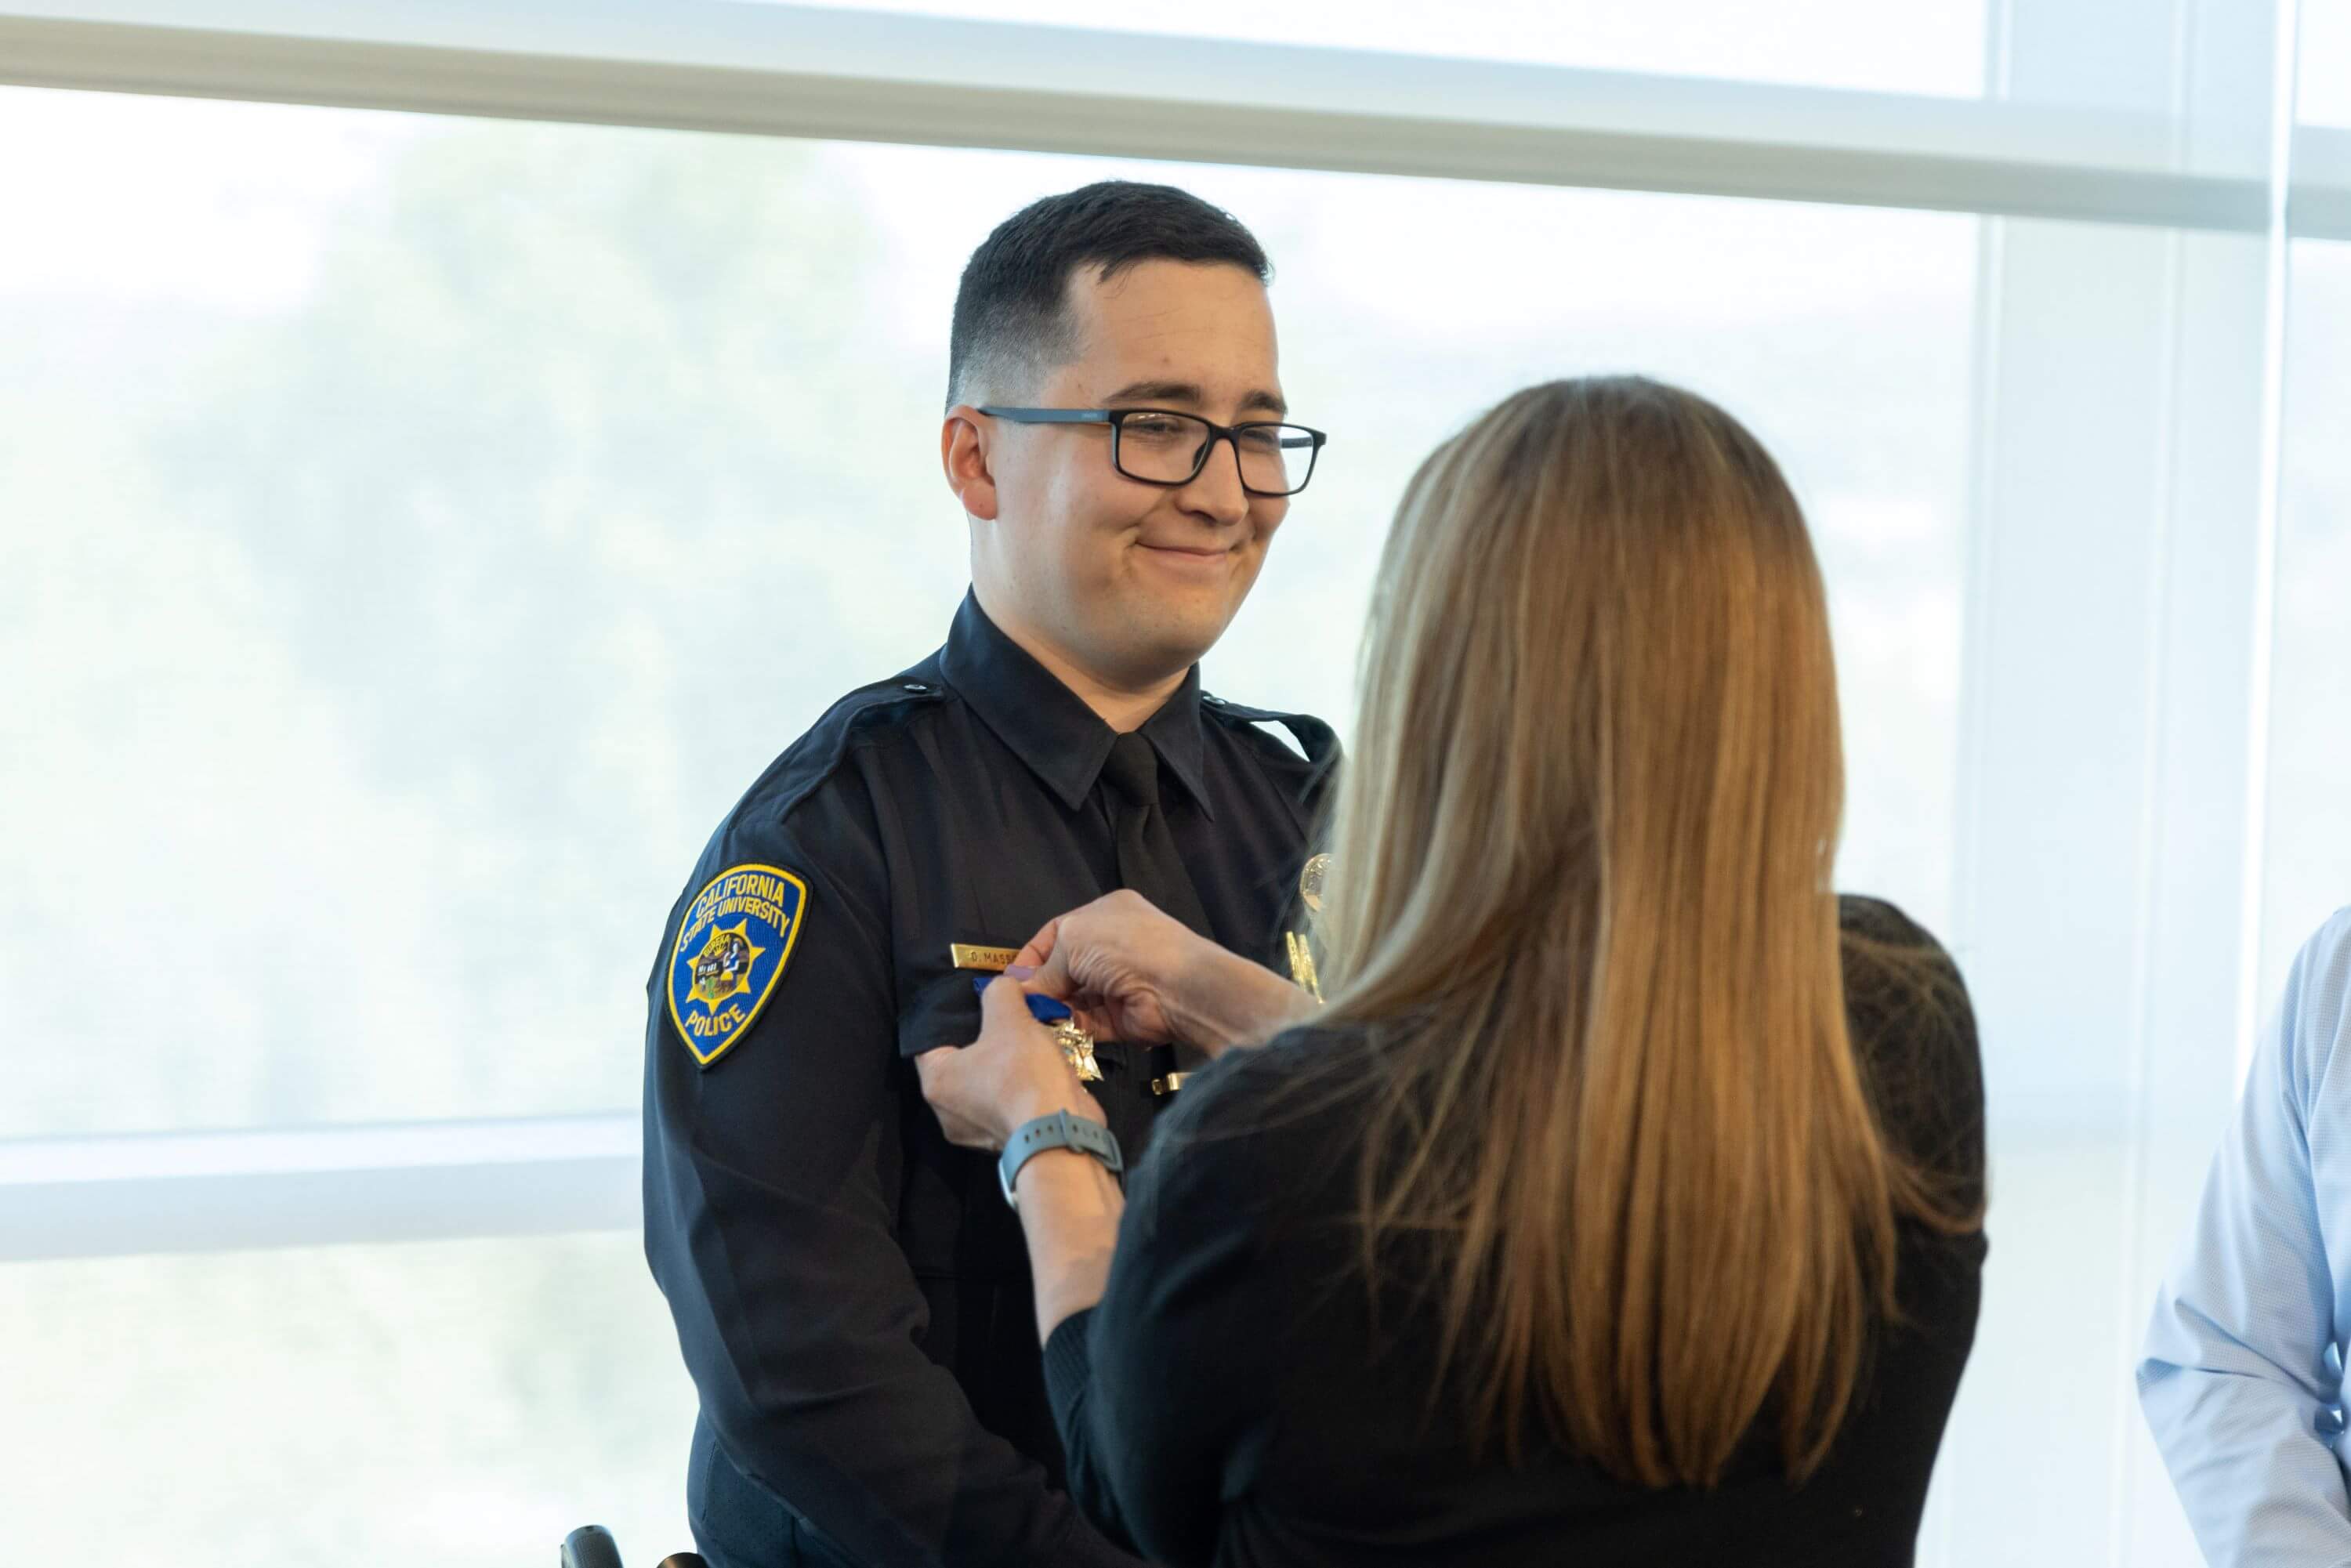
x=1227, y=1401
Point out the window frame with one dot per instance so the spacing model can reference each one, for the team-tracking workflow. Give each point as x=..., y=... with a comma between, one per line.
x=812, y=72
x=2198, y=577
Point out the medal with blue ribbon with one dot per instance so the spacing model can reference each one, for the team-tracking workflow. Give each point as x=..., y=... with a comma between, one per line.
x=1077, y=1045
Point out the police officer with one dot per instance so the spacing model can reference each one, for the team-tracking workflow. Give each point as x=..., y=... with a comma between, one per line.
x=851, y=1292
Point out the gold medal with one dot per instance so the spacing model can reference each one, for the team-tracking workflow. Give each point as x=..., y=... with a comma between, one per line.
x=1077, y=1045
x=1078, y=1051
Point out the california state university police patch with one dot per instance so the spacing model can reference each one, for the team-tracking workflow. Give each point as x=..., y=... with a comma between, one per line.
x=731, y=949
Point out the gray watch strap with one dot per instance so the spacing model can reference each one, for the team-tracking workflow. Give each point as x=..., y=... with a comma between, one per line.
x=1059, y=1130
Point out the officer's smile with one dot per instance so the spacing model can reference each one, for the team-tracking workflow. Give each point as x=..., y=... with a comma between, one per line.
x=1192, y=561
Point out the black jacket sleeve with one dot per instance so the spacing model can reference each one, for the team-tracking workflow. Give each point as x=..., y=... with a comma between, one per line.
x=1162, y=1390
x=768, y=1224
x=1069, y=1383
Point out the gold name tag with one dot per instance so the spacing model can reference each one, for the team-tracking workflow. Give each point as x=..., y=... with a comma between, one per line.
x=994, y=960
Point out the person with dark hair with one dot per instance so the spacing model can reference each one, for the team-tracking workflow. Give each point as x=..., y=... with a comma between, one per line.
x=850, y=1294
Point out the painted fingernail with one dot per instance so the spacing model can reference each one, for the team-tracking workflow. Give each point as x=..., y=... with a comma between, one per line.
x=1021, y=971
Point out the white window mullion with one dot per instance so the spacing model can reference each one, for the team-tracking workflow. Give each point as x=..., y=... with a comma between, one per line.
x=2105, y=844
x=182, y=1192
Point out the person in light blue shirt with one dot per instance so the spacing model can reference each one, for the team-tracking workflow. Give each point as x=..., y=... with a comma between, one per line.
x=2241, y=1378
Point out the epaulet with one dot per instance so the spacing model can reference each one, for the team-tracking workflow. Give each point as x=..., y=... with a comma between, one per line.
x=1317, y=739
x=811, y=761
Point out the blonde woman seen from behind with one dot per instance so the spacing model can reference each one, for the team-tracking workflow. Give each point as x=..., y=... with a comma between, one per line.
x=1624, y=1203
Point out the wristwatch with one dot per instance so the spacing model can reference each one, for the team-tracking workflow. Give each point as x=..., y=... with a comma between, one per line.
x=1059, y=1130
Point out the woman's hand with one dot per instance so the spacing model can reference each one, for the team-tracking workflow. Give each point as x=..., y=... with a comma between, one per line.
x=1116, y=962
x=1131, y=973
x=1069, y=1202
x=1014, y=1072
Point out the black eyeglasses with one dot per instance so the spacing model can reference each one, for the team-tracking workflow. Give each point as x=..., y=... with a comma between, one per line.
x=1160, y=446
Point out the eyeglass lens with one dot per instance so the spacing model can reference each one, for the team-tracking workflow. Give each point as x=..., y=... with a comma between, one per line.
x=1165, y=449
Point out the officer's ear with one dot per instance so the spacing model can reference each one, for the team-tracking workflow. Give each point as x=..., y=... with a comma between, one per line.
x=964, y=454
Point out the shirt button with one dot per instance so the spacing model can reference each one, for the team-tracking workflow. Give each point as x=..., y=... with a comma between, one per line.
x=916, y=687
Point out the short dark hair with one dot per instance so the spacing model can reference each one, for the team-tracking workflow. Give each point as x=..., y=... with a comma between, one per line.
x=1009, y=314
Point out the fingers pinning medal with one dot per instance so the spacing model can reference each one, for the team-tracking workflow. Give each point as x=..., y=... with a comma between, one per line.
x=1077, y=1045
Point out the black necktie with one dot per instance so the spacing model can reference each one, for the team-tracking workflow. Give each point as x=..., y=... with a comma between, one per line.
x=1148, y=859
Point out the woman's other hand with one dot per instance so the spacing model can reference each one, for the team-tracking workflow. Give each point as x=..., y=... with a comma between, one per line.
x=1131, y=973
x=1014, y=1072
x=1116, y=962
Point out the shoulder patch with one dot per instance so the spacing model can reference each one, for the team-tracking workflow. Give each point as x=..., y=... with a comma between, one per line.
x=732, y=944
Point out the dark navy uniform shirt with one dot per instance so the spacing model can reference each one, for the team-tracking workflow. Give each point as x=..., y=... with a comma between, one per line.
x=852, y=1293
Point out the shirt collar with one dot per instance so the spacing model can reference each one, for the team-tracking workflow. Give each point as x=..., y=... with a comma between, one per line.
x=1047, y=726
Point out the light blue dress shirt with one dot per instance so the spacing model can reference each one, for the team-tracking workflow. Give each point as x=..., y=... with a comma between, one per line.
x=2241, y=1379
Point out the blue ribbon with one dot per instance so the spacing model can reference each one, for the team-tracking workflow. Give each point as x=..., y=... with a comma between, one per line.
x=1043, y=1008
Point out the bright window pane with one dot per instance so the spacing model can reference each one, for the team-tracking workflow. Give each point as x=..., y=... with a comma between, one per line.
x=2308, y=863
x=1930, y=46
x=422, y=532
x=2324, y=43
x=460, y=1404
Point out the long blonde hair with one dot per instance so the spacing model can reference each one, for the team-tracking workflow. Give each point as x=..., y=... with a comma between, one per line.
x=1580, y=895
